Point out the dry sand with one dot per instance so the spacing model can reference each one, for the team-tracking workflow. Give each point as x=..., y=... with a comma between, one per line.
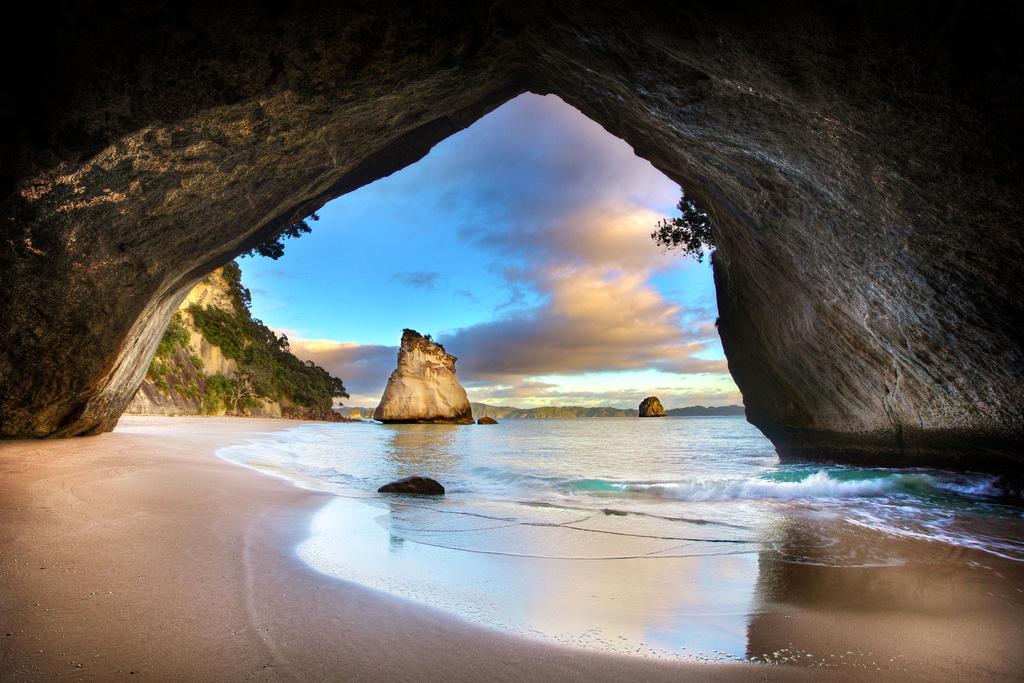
x=140, y=553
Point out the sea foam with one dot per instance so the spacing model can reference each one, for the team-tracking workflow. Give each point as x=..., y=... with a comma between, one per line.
x=819, y=485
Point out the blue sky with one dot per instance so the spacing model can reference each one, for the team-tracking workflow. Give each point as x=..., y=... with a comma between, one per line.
x=522, y=244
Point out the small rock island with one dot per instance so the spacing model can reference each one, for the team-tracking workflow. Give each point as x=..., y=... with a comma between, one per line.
x=651, y=407
x=423, y=389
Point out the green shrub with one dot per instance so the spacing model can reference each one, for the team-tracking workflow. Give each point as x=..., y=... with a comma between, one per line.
x=175, y=335
x=250, y=403
x=219, y=390
x=220, y=328
x=153, y=373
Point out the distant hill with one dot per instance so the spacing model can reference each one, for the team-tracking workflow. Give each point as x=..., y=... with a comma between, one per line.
x=706, y=411
x=509, y=413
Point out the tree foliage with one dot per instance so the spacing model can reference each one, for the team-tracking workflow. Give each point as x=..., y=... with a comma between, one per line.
x=240, y=296
x=273, y=248
x=219, y=391
x=691, y=233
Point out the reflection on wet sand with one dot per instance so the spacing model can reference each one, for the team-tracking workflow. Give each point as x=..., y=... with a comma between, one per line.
x=694, y=606
x=524, y=577
x=871, y=601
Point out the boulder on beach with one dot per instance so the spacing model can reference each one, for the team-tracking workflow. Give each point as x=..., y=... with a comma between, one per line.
x=486, y=421
x=651, y=407
x=422, y=485
x=423, y=389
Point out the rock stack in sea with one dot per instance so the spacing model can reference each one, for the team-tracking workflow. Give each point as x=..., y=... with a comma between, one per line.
x=651, y=407
x=423, y=388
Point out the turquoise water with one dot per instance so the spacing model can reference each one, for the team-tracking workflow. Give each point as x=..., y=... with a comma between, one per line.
x=641, y=536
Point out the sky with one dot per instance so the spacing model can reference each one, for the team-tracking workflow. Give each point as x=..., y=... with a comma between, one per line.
x=522, y=245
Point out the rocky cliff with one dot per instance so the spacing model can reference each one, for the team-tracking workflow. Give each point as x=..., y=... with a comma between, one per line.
x=176, y=381
x=423, y=388
x=861, y=163
x=213, y=359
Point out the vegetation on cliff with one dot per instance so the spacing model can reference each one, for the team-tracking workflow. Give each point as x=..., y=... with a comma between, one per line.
x=266, y=369
x=166, y=365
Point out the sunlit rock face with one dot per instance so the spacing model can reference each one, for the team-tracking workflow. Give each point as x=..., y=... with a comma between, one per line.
x=861, y=163
x=423, y=388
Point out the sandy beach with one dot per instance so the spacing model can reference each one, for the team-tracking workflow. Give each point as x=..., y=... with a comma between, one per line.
x=141, y=553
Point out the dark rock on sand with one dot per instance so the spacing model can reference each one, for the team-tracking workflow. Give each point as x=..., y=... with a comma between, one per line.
x=651, y=407
x=422, y=485
x=1012, y=487
x=486, y=421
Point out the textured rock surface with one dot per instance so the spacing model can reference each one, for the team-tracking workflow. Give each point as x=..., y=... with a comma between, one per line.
x=651, y=407
x=486, y=421
x=861, y=161
x=422, y=485
x=423, y=388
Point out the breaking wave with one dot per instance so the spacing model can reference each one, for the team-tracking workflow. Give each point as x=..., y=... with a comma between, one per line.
x=819, y=485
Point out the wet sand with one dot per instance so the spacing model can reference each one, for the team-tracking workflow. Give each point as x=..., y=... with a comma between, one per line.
x=140, y=553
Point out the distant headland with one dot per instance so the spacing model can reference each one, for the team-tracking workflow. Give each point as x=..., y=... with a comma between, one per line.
x=548, y=412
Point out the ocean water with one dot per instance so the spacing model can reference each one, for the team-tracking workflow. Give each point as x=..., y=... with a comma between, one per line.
x=658, y=537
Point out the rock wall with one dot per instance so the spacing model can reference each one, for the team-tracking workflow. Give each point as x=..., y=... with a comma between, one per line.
x=423, y=388
x=150, y=400
x=861, y=162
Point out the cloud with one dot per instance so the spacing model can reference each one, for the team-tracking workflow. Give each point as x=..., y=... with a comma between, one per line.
x=486, y=391
x=364, y=368
x=530, y=395
x=606, y=234
x=419, y=279
x=545, y=182
x=591, y=321
x=567, y=219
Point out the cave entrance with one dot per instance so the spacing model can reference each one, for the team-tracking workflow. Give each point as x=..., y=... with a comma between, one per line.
x=521, y=243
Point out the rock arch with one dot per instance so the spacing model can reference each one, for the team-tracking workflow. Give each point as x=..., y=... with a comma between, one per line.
x=861, y=160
